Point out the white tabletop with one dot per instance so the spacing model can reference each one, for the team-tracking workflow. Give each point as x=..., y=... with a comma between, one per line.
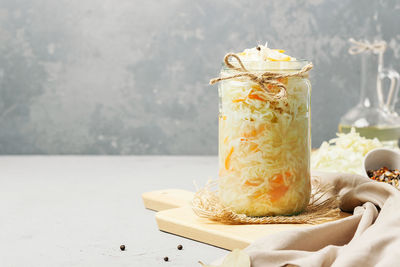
x=78, y=210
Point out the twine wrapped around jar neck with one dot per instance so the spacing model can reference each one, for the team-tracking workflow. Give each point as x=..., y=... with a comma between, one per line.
x=264, y=79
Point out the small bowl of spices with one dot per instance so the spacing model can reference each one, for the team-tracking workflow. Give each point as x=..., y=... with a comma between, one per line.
x=383, y=165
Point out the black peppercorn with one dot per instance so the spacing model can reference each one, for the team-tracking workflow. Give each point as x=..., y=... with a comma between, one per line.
x=122, y=247
x=166, y=259
x=258, y=48
x=180, y=247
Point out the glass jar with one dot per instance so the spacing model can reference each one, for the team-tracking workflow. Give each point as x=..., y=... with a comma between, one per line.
x=375, y=116
x=264, y=143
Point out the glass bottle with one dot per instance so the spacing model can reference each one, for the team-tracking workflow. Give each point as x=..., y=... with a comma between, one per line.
x=375, y=115
x=264, y=144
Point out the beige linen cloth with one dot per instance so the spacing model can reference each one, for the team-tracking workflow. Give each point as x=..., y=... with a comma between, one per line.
x=370, y=237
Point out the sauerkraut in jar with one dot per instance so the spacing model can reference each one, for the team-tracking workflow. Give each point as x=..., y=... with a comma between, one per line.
x=264, y=142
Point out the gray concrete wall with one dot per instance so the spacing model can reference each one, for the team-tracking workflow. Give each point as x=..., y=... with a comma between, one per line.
x=130, y=76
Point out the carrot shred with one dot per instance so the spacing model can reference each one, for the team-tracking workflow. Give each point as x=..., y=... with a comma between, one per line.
x=249, y=183
x=237, y=100
x=257, y=195
x=226, y=140
x=228, y=159
x=277, y=192
x=256, y=87
x=254, y=132
x=278, y=179
x=283, y=80
x=254, y=147
x=255, y=96
x=283, y=59
x=222, y=117
x=278, y=188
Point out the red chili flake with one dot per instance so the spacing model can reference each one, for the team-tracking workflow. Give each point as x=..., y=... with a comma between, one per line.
x=385, y=175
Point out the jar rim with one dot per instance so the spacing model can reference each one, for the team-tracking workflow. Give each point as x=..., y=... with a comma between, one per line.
x=270, y=65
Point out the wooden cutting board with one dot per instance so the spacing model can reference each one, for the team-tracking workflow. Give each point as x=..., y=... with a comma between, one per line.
x=175, y=215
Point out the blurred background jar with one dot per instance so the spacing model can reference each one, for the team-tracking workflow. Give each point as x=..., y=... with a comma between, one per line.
x=374, y=116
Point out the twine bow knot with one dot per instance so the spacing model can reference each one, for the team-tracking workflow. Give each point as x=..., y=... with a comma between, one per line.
x=267, y=80
x=359, y=47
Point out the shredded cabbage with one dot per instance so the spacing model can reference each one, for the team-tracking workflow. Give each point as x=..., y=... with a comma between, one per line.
x=343, y=154
x=264, y=148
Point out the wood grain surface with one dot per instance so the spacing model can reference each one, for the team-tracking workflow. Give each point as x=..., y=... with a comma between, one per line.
x=179, y=219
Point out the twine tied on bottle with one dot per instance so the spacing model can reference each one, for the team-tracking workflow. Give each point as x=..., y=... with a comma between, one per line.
x=377, y=47
x=267, y=80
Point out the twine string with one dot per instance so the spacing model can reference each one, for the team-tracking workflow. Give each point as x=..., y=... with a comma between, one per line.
x=322, y=207
x=267, y=80
x=359, y=47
